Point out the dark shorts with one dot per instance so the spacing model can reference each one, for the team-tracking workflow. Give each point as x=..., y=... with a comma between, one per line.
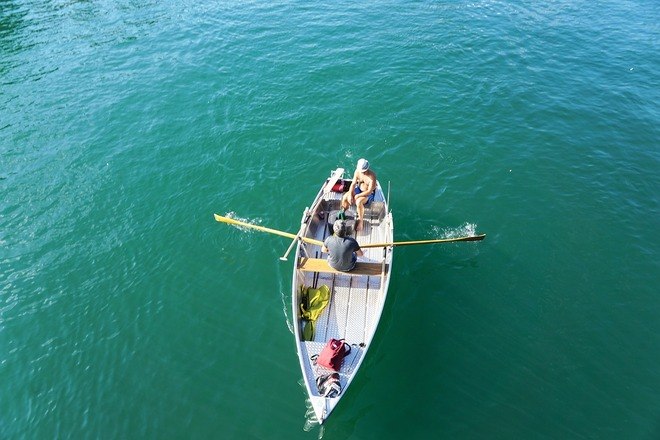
x=371, y=196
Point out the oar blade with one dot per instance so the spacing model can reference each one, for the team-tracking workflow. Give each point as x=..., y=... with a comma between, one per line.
x=473, y=238
x=228, y=220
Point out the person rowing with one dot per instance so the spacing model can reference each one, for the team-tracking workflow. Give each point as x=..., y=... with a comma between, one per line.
x=361, y=191
x=342, y=250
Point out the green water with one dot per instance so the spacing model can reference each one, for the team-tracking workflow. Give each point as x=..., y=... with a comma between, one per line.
x=126, y=311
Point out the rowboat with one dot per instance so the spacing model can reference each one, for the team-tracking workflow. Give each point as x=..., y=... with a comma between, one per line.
x=356, y=298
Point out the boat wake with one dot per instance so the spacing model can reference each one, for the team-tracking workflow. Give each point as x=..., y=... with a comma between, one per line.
x=311, y=421
x=285, y=309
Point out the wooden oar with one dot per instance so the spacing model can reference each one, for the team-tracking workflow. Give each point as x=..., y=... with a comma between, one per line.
x=235, y=222
x=438, y=240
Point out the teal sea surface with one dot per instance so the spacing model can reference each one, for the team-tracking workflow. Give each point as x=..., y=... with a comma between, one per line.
x=127, y=312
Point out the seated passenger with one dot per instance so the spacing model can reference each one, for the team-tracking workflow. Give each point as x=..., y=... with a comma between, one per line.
x=361, y=191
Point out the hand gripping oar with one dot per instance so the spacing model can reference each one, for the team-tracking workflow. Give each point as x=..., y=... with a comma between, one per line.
x=235, y=222
x=336, y=175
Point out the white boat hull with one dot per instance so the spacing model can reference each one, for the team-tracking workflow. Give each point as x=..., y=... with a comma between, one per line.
x=356, y=300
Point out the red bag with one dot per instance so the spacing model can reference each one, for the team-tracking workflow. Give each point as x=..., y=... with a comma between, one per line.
x=341, y=186
x=333, y=354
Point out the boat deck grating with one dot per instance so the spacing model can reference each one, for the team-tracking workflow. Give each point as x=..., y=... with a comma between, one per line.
x=353, y=309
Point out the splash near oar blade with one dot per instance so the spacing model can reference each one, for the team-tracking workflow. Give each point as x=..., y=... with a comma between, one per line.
x=235, y=222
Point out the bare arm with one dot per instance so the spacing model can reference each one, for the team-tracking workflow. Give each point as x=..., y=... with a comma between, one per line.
x=353, y=181
x=351, y=189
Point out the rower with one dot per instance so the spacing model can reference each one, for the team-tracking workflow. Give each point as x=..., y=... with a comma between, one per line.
x=342, y=250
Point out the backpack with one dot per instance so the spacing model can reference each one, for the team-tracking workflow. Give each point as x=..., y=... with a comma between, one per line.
x=333, y=354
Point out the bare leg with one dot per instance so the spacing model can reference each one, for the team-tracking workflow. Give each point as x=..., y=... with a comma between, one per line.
x=359, y=203
x=344, y=205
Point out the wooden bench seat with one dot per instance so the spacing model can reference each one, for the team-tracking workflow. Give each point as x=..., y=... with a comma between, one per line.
x=321, y=265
